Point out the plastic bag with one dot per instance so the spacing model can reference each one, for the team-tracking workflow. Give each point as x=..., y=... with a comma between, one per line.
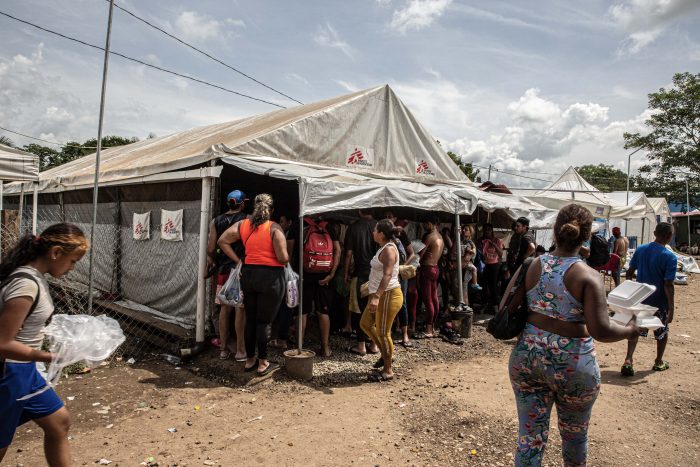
x=292, y=279
x=231, y=293
x=79, y=338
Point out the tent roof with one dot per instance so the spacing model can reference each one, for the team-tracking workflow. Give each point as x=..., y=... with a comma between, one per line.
x=571, y=187
x=660, y=206
x=16, y=165
x=370, y=132
x=637, y=207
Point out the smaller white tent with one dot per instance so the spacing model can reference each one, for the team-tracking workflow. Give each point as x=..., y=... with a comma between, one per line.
x=571, y=187
x=641, y=220
x=16, y=165
x=661, y=209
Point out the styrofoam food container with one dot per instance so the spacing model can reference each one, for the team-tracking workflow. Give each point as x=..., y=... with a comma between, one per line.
x=640, y=311
x=651, y=324
x=630, y=294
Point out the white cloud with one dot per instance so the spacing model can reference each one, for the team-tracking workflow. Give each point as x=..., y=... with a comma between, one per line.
x=299, y=78
x=541, y=137
x=350, y=87
x=418, y=14
x=327, y=36
x=195, y=26
x=646, y=20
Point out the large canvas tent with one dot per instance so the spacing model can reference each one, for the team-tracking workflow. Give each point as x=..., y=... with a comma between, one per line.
x=361, y=150
x=17, y=165
x=640, y=225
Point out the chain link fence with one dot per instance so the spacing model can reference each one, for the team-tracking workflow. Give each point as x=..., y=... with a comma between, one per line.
x=150, y=285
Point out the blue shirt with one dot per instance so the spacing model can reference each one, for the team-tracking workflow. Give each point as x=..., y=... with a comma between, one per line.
x=655, y=264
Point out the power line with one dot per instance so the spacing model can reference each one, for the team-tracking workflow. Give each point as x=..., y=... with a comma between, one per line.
x=513, y=174
x=51, y=142
x=204, y=53
x=141, y=62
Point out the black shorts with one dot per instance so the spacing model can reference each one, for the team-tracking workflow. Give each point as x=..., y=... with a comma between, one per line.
x=320, y=295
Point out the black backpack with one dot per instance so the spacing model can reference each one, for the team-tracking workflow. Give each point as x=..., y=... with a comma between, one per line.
x=600, y=255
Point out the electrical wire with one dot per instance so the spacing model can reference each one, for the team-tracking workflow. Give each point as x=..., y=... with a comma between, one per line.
x=52, y=142
x=141, y=62
x=203, y=52
x=513, y=174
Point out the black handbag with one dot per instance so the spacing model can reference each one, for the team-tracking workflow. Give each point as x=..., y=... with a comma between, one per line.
x=510, y=320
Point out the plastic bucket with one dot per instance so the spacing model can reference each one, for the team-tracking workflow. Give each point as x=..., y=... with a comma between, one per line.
x=299, y=365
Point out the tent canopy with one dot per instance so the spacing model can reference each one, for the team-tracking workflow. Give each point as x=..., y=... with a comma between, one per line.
x=368, y=132
x=637, y=207
x=16, y=165
x=571, y=187
x=661, y=208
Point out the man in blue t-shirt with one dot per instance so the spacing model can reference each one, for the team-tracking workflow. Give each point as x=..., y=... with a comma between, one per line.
x=655, y=265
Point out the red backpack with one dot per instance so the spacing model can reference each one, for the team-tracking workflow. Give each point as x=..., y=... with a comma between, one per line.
x=318, y=248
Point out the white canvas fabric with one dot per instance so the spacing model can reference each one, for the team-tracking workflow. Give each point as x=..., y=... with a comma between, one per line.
x=393, y=144
x=16, y=165
x=661, y=209
x=171, y=225
x=141, y=226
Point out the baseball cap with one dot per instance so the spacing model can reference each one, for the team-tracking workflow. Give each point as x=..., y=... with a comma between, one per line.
x=236, y=196
x=616, y=231
x=523, y=221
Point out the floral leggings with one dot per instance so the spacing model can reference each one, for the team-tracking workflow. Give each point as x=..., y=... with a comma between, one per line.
x=546, y=369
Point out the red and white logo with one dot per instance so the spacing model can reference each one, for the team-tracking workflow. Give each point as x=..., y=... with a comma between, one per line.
x=423, y=168
x=169, y=227
x=358, y=156
x=138, y=229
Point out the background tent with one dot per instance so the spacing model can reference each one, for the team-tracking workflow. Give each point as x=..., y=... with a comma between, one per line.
x=364, y=149
x=16, y=165
x=661, y=209
x=639, y=226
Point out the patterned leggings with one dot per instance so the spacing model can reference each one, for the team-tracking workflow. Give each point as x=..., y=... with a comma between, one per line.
x=547, y=369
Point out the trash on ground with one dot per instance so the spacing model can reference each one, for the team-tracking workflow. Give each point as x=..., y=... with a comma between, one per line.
x=104, y=462
x=172, y=430
x=131, y=361
x=259, y=417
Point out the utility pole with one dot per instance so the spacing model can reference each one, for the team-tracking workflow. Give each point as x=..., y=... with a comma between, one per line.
x=489, y=179
x=97, y=158
x=687, y=203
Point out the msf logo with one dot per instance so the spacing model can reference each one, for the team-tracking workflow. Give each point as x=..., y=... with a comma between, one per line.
x=357, y=157
x=423, y=168
x=138, y=230
x=169, y=227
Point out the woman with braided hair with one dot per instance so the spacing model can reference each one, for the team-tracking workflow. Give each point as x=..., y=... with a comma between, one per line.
x=25, y=306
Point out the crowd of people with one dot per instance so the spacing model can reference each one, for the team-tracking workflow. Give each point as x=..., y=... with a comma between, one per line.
x=364, y=280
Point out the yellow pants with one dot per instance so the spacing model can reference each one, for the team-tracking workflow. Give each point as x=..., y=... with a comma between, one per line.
x=377, y=325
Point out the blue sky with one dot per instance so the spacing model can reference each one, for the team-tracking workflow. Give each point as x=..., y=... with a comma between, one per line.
x=531, y=86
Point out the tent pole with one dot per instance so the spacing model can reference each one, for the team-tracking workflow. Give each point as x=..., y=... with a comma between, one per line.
x=20, y=210
x=202, y=260
x=300, y=242
x=458, y=242
x=687, y=203
x=35, y=205
x=100, y=122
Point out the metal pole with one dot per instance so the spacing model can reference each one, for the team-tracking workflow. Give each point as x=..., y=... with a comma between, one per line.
x=627, y=202
x=97, y=156
x=204, y=216
x=489, y=173
x=20, y=210
x=458, y=242
x=300, y=243
x=35, y=206
x=687, y=203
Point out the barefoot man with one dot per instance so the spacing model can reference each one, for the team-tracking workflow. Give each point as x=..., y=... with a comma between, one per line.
x=429, y=272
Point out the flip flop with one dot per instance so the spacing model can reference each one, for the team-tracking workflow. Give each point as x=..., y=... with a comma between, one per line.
x=407, y=345
x=224, y=354
x=379, y=363
x=272, y=366
x=422, y=335
x=353, y=350
x=252, y=368
x=627, y=370
x=378, y=377
x=241, y=359
x=663, y=366
x=373, y=353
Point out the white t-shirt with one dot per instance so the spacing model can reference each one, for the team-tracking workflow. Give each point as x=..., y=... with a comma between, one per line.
x=31, y=331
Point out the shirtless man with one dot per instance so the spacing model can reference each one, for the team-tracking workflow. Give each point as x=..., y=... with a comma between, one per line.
x=429, y=271
x=620, y=247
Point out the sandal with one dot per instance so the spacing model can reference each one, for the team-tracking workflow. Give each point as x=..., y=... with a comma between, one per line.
x=272, y=366
x=224, y=354
x=378, y=377
x=422, y=335
x=241, y=358
x=407, y=345
x=663, y=366
x=379, y=363
x=627, y=370
x=353, y=349
x=251, y=368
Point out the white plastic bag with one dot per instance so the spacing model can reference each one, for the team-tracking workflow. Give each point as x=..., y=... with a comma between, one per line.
x=79, y=338
x=292, y=286
x=231, y=293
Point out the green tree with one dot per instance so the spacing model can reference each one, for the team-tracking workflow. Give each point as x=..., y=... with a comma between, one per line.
x=673, y=141
x=604, y=177
x=466, y=167
x=6, y=141
x=47, y=155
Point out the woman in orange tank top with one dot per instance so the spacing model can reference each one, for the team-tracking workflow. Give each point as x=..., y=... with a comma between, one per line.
x=262, y=278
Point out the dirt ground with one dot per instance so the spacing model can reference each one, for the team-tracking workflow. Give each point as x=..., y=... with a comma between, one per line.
x=449, y=406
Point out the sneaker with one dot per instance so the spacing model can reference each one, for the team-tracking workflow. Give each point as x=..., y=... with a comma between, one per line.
x=476, y=287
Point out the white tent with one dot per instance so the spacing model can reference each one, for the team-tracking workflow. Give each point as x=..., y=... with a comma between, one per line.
x=569, y=188
x=360, y=150
x=16, y=165
x=641, y=220
x=661, y=209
